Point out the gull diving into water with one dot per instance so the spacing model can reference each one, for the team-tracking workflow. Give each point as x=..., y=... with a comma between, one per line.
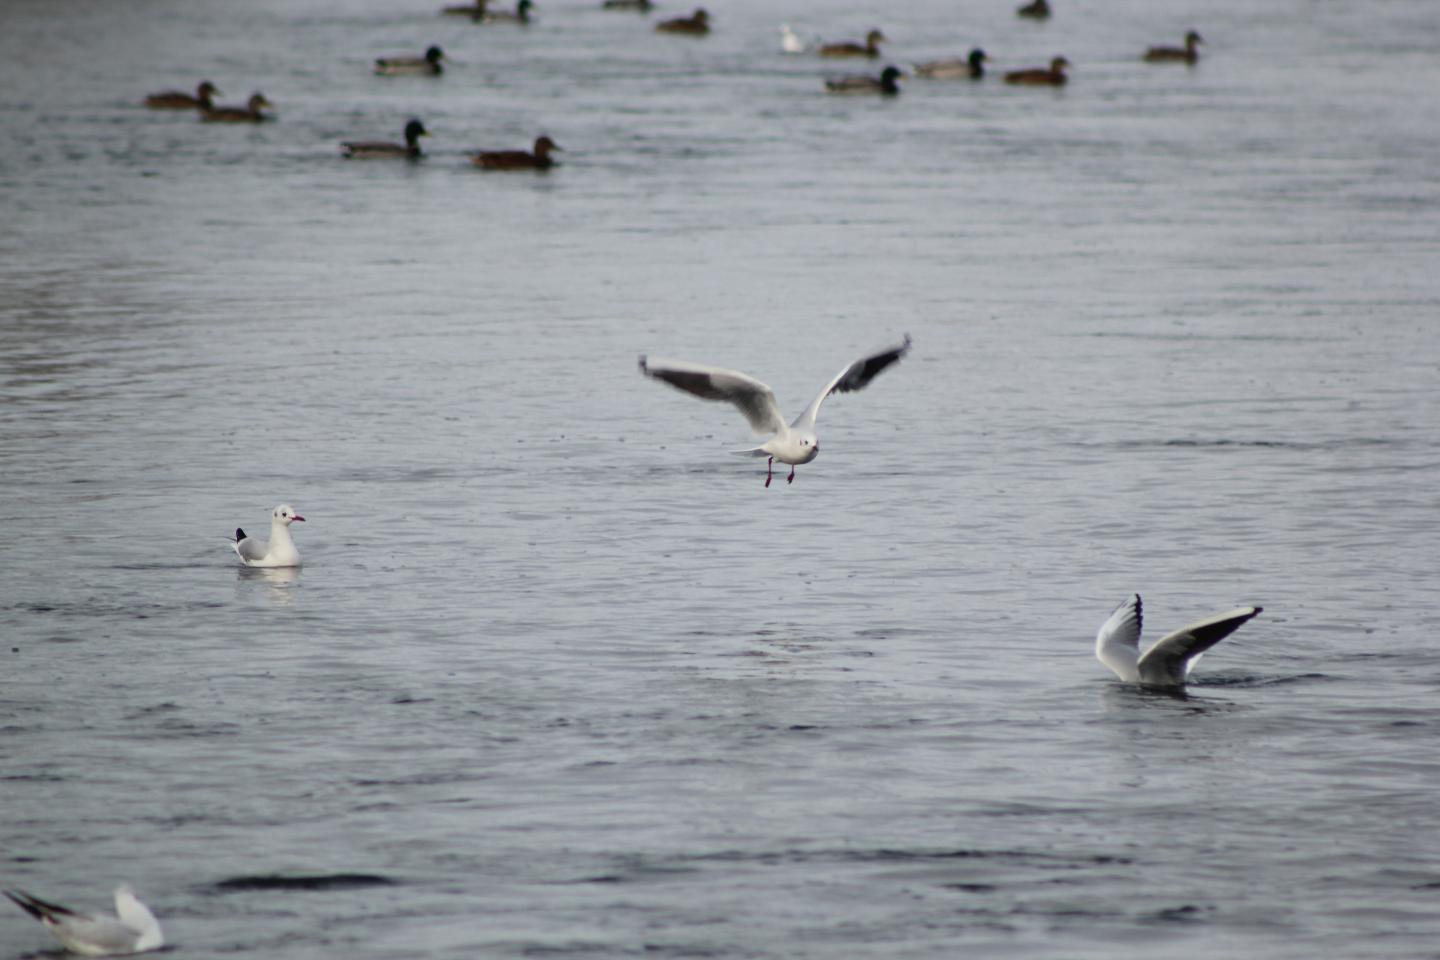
x=794, y=444
x=1168, y=662
x=135, y=930
x=280, y=550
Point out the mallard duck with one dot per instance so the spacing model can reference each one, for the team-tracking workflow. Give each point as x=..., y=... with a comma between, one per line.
x=1185, y=54
x=1036, y=10
x=399, y=66
x=870, y=48
x=250, y=113
x=520, y=16
x=474, y=10
x=180, y=100
x=644, y=6
x=517, y=159
x=863, y=83
x=971, y=67
x=382, y=149
x=1040, y=76
x=697, y=23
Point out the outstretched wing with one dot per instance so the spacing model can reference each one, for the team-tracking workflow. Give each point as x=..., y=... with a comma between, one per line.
x=1167, y=663
x=1117, y=645
x=81, y=932
x=755, y=400
x=857, y=376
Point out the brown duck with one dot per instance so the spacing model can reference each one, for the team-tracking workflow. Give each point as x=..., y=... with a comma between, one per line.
x=1185, y=54
x=697, y=23
x=1040, y=77
x=517, y=159
x=870, y=48
x=179, y=100
x=1038, y=10
x=250, y=113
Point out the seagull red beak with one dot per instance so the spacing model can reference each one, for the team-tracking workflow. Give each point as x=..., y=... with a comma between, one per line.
x=300, y=518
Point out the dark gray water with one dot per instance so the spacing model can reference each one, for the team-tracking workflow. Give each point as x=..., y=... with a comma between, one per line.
x=559, y=677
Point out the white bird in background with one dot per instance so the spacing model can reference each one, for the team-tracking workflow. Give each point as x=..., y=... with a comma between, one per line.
x=1168, y=662
x=280, y=550
x=135, y=930
x=794, y=444
x=790, y=41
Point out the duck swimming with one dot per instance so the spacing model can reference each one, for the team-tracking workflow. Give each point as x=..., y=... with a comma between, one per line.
x=863, y=83
x=250, y=113
x=521, y=16
x=1041, y=77
x=382, y=149
x=1185, y=54
x=643, y=6
x=179, y=100
x=970, y=68
x=870, y=48
x=1037, y=10
x=474, y=10
x=517, y=159
x=697, y=23
x=401, y=66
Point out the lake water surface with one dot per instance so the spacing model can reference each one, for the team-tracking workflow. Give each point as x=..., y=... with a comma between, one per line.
x=560, y=677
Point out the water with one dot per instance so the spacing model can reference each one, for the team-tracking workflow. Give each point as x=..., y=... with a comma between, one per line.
x=559, y=677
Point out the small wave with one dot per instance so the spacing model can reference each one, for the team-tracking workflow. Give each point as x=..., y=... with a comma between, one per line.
x=323, y=881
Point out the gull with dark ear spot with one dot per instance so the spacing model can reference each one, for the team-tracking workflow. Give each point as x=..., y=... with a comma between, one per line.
x=1168, y=662
x=280, y=550
x=134, y=930
x=793, y=444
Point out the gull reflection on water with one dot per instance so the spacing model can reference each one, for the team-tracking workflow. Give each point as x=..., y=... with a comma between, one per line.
x=280, y=580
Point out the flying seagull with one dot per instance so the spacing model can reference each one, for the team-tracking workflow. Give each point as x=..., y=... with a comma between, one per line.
x=794, y=444
x=280, y=550
x=135, y=930
x=1168, y=662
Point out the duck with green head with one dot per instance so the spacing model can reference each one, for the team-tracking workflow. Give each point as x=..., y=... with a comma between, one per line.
x=387, y=150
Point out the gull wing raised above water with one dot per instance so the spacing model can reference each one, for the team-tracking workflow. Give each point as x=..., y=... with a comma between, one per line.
x=1169, y=661
x=856, y=376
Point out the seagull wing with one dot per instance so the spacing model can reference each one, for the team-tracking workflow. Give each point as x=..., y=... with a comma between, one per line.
x=1167, y=663
x=854, y=377
x=1117, y=645
x=755, y=400
x=80, y=932
x=252, y=550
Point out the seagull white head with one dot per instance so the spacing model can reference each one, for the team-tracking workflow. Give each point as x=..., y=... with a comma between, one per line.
x=285, y=514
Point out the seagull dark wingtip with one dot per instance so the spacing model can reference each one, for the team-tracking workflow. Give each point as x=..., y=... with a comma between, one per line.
x=24, y=904
x=643, y=368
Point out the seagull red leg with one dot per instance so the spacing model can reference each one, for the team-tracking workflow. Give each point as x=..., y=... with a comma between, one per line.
x=769, y=470
x=791, y=478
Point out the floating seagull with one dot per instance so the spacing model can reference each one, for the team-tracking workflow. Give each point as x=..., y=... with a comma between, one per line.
x=794, y=444
x=790, y=41
x=280, y=550
x=1168, y=662
x=135, y=931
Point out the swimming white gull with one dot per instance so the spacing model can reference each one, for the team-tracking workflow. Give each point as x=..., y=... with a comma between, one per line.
x=134, y=930
x=279, y=551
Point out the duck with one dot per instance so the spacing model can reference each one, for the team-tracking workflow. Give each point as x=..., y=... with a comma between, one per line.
x=517, y=159
x=870, y=48
x=1185, y=54
x=521, y=16
x=1054, y=76
x=790, y=41
x=474, y=10
x=971, y=67
x=250, y=113
x=697, y=23
x=399, y=66
x=383, y=149
x=863, y=83
x=643, y=6
x=1035, y=10
x=280, y=550
x=180, y=100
